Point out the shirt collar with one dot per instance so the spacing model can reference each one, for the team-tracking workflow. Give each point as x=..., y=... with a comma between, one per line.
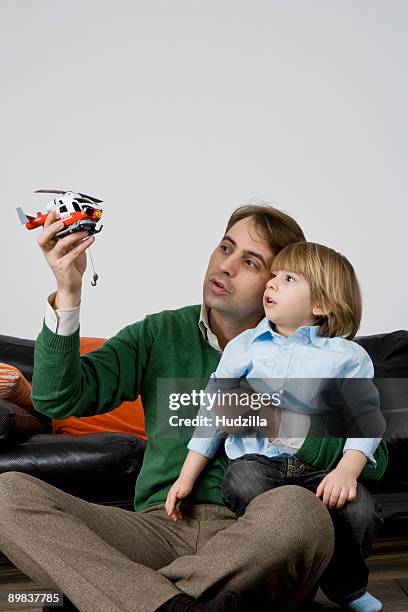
x=204, y=326
x=310, y=333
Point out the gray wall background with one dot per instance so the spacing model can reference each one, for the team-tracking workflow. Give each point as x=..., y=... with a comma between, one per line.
x=176, y=112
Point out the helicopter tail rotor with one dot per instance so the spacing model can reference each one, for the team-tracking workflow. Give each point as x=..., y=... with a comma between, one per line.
x=22, y=216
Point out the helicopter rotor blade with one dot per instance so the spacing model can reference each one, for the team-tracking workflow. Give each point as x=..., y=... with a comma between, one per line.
x=91, y=198
x=84, y=200
x=58, y=191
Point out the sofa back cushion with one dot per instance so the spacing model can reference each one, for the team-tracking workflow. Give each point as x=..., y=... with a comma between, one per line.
x=389, y=353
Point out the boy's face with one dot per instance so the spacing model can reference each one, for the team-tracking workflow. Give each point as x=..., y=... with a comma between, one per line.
x=288, y=301
x=237, y=273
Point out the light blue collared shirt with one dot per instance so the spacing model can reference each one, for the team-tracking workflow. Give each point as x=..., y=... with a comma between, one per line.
x=262, y=353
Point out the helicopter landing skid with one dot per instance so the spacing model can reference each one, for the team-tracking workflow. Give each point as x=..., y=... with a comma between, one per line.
x=80, y=226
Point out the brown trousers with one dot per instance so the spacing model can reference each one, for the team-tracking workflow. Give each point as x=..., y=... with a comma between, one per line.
x=114, y=560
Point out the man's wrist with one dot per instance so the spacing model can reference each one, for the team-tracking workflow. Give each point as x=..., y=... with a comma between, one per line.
x=63, y=322
x=64, y=301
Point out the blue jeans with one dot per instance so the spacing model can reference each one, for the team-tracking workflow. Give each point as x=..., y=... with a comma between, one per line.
x=355, y=524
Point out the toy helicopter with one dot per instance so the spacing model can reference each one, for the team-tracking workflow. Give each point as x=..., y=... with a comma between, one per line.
x=78, y=212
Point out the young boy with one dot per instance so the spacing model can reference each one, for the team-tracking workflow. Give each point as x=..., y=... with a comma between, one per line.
x=313, y=309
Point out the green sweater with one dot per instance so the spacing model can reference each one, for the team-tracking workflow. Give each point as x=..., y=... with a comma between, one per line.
x=164, y=345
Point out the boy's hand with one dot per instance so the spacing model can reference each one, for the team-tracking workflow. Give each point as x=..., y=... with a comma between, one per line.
x=178, y=491
x=338, y=487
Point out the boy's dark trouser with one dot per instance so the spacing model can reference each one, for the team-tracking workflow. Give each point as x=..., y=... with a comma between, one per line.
x=114, y=560
x=355, y=524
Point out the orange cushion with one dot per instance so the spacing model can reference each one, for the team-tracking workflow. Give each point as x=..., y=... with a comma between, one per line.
x=126, y=418
x=14, y=386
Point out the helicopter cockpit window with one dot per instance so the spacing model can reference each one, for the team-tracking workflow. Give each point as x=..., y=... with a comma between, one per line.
x=76, y=207
x=63, y=209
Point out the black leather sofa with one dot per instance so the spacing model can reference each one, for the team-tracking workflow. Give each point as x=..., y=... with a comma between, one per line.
x=103, y=467
x=100, y=468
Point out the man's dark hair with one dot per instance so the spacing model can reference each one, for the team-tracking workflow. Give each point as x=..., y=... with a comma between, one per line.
x=278, y=228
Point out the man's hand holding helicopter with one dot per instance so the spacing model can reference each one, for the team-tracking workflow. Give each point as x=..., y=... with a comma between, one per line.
x=69, y=227
x=66, y=258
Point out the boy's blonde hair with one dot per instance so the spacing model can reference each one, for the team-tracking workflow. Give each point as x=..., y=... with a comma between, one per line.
x=333, y=285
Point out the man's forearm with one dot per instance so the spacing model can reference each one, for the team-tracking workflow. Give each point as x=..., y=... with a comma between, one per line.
x=243, y=408
x=56, y=383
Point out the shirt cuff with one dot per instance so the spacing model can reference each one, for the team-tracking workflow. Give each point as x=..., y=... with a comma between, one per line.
x=64, y=321
x=204, y=446
x=367, y=446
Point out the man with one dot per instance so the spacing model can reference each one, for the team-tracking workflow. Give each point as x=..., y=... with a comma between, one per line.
x=108, y=559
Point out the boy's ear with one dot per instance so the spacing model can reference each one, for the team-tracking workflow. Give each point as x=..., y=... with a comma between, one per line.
x=319, y=311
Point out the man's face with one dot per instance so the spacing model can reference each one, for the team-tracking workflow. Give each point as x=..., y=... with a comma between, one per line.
x=238, y=271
